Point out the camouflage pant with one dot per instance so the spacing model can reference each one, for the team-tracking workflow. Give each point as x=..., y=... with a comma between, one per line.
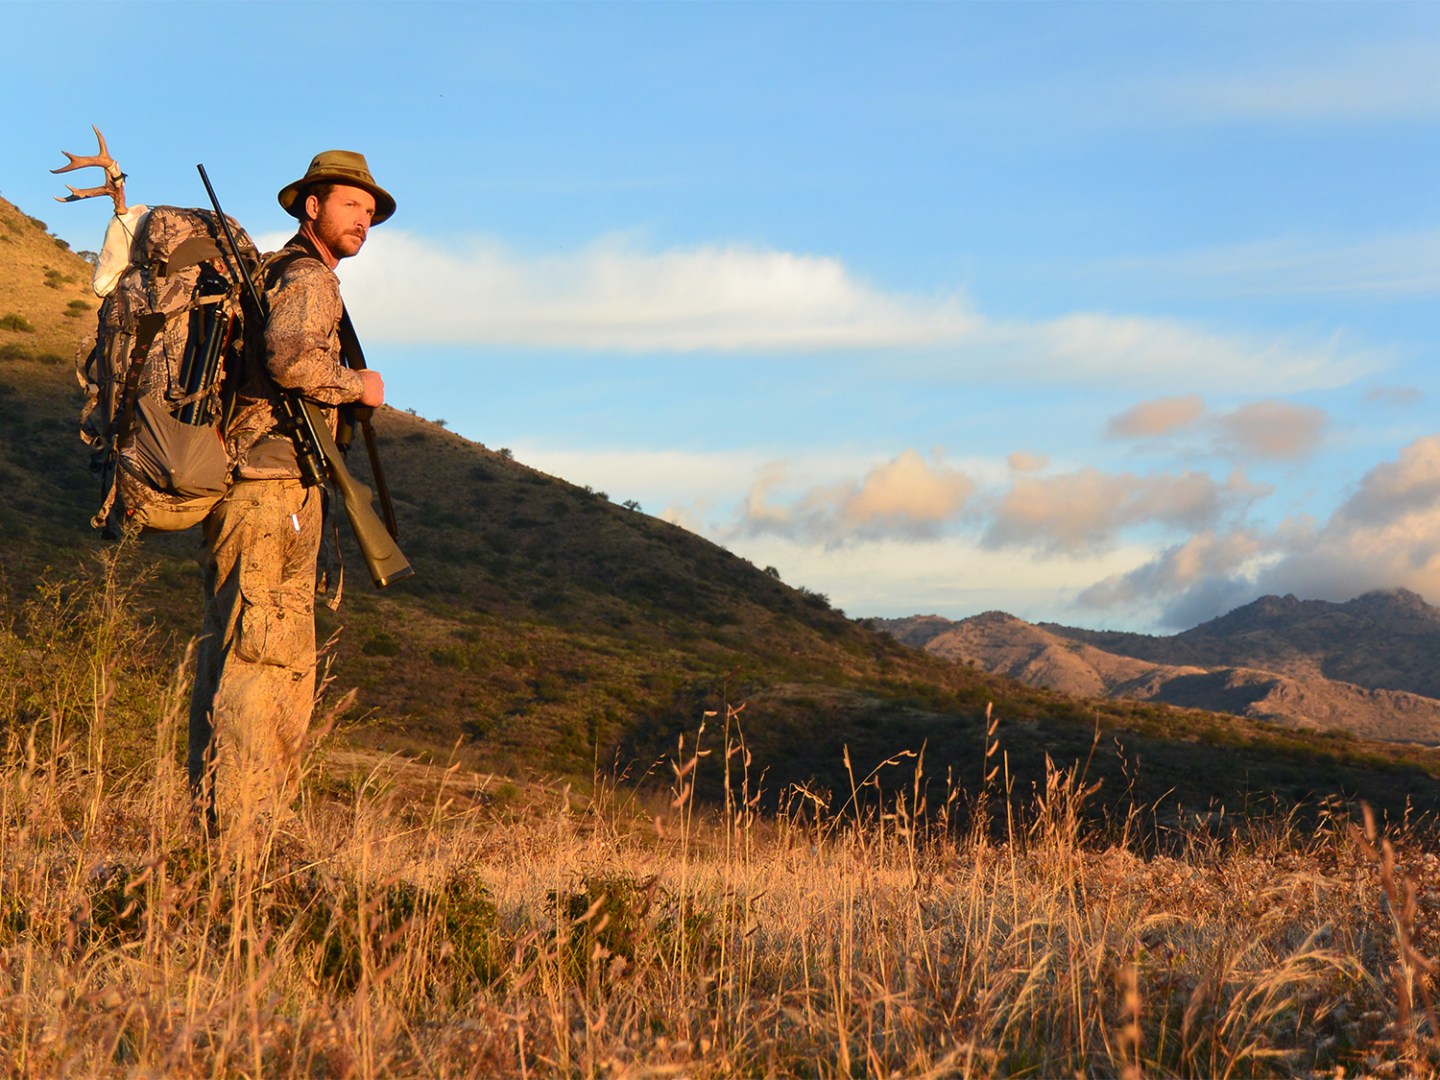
x=255, y=670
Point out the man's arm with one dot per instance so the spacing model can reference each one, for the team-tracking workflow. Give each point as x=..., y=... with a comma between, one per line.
x=302, y=351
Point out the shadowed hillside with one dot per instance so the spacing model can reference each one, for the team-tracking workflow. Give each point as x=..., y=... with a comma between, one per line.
x=548, y=630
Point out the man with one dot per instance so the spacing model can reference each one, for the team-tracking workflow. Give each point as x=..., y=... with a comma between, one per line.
x=255, y=672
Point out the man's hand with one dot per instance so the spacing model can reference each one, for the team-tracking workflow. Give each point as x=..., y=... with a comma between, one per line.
x=373, y=393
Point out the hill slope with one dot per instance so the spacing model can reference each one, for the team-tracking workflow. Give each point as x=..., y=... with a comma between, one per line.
x=547, y=629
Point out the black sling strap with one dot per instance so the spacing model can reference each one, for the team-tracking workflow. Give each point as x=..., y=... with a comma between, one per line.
x=354, y=357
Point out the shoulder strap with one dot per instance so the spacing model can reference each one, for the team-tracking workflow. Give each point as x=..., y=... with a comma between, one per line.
x=147, y=328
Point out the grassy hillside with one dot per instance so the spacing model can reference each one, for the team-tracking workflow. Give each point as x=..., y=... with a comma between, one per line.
x=547, y=630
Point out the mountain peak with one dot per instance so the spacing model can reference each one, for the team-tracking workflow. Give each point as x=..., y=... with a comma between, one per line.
x=1258, y=614
x=1391, y=602
x=996, y=618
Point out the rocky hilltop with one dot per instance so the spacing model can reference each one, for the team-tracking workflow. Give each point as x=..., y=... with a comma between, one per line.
x=1365, y=666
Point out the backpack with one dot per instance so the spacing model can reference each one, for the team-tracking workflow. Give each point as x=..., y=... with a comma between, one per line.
x=169, y=333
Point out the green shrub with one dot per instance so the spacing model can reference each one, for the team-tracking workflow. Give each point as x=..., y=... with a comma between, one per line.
x=621, y=924
x=16, y=322
x=381, y=643
x=451, y=656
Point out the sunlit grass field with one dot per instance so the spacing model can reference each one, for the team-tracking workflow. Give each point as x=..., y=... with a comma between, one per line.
x=406, y=919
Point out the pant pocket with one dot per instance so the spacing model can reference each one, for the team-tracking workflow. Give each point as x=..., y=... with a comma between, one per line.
x=271, y=635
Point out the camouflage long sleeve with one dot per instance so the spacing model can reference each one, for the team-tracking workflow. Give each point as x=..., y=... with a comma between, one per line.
x=302, y=347
x=300, y=350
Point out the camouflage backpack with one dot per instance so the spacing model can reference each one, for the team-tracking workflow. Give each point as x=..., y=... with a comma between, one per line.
x=168, y=333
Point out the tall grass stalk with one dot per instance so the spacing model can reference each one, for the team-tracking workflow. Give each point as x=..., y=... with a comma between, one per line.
x=407, y=920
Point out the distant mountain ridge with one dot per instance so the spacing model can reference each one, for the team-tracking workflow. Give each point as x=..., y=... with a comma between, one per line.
x=1381, y=640
x=1365, y=666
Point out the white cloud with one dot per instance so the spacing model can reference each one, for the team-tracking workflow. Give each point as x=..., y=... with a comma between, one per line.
x=947, y=575
x=1278, y=430
x=1200, y=560
x=1392, y=492
x=915, y=533
x=1094, y=347
x=1395, y=396
x=906, y=497
x=1085, y=510
x=1265, y=430
x=1025, y=462
x=644, y=473
x=1398, y=265
x=616, y=296
x=1151, y=419
x=1385, y=535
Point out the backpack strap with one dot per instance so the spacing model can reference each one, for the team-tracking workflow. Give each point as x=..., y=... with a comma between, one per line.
x=147, y=329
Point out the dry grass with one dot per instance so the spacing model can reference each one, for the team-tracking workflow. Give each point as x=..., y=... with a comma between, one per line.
x=41, y=282
x=416, y=921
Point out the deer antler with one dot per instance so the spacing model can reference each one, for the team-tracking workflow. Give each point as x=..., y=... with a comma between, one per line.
x=114, y=185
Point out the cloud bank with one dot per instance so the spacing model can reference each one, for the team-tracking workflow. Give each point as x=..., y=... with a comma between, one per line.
x=1386, y=534
x=1261, y=430
x=1083, y=511
x=1170, y=549
x=617, y=296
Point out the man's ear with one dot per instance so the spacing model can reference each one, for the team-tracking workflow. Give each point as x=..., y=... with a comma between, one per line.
x=312, y=208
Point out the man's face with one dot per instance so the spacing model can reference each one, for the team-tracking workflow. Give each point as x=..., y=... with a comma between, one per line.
x=342, y=221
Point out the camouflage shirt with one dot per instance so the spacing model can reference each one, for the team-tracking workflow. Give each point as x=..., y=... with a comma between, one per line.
x=300, y=351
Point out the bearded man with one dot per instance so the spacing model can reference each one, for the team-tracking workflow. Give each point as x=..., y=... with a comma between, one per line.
x=255, y=670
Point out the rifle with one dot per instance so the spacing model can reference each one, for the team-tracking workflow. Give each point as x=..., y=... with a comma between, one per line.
x=315, y=449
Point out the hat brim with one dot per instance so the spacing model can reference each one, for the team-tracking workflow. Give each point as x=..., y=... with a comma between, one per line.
x=292, y=195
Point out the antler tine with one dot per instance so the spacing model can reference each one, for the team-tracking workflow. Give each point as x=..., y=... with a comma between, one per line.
x=76, y=194
x=103, y=158
x=114, y=185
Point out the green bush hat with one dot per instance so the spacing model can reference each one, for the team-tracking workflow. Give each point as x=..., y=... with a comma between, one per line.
x=337, y=167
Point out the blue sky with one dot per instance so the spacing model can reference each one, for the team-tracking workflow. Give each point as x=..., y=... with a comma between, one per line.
x=1109, y=314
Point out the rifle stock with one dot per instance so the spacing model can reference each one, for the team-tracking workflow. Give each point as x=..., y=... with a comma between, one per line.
x=382, y=555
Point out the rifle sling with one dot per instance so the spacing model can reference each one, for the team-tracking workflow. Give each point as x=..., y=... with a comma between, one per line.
x=354, y=358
